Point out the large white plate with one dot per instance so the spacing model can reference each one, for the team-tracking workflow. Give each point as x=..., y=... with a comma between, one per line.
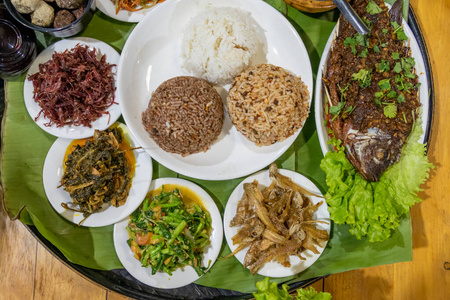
x=182, y=276
x=107, y=7
x=320, y=97
x=71, y=132
x=274, y=269
x=53, y=171
x=152, y=55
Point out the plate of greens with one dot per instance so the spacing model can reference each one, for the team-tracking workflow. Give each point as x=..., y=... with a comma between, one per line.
x=173, y=238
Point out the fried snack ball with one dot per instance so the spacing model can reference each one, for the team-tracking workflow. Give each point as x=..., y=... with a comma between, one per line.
x=43, y=15
x=69, y=4
x=26, y=6
x=63, y=18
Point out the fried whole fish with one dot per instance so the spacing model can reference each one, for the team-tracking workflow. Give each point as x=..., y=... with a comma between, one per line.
x=372, y=88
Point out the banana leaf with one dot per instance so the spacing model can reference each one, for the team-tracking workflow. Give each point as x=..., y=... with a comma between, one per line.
x=25, y=145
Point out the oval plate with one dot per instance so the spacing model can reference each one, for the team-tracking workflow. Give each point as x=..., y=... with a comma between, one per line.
x=53, y=171
x=70, y=131
x=152, y=55
x=273, y=269
x=181, y=276
x=320, y=96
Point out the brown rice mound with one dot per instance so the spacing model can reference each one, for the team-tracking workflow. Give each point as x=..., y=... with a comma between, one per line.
x=267, y=104
x=185, y=115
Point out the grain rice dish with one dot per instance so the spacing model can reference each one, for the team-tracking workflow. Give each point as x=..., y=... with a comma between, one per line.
x=220, y=43
x=185, y=115
x=267, y=104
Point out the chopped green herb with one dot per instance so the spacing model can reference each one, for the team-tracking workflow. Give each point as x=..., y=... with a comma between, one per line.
x=391, y=94
x=368, y=23
x=352, y=43
x=357, y=39
x=384, y=84
x=383, y=45
x=398, y=68
x=349, y=110
x=336, y=109
x=410, y=75
x=404, y=118
x=372, y=8
x=378, y=100
x=390, y=110
x=384, y=31
x=395, y=55
x=399, y=31
x=361, y=40
x=364, y=77
x=400, y=98
x=408, y=86
x=376, y=49
x=383, y=66
x=399, y=80
x=364, y=52
x=343, y=90
x=379, y=95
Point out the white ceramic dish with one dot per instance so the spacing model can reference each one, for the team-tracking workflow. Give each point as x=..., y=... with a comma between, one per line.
x=71, y=132
x=152, y=55
x=53, y=171
x=107, y=7
x=182, y=276
x=274, y=269
x=320, y=97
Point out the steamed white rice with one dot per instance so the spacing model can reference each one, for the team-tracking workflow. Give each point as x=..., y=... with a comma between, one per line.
x=220, y=43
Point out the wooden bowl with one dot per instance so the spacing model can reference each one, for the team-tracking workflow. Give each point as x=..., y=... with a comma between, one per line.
x=311, y=6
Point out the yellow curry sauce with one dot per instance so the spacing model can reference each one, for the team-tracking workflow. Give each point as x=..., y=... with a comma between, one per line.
x=124, y=145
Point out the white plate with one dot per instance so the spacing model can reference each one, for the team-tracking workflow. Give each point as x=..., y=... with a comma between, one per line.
x=107, y=7
x=71, y=132
x=53, y=171
x=320, y=98
x=182, y=276
x=274, y=269
x=152, y=55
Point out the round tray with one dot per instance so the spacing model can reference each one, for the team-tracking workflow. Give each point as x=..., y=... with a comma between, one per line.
x=122, y=282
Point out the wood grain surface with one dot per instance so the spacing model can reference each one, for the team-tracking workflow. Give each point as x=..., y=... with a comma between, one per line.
x=29, y=271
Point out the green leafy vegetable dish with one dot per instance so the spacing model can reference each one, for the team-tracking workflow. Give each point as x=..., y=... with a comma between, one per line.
x=170, y=230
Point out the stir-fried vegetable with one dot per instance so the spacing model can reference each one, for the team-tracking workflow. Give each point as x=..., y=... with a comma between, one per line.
x=135, y=5
x=166, y=233
x=99, y=171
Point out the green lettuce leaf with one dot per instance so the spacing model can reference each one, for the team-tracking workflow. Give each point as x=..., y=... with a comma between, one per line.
x=269, y=291
x=374, y=209
x=311, y=294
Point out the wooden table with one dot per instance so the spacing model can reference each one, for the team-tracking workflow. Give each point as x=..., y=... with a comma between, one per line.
x=29, y=271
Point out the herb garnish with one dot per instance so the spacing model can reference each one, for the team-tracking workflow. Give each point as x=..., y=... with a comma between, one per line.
x=390, y=110
x=336, y=109
x=383, y=66
x=373, y=8
x=399, y=31
x=357, y=39
x=364, y=77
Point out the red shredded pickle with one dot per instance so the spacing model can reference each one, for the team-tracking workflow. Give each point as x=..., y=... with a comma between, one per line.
x=74, y=87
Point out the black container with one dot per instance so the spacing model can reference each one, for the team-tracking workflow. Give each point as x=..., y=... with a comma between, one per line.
x=17, y=45
x=69, y=30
